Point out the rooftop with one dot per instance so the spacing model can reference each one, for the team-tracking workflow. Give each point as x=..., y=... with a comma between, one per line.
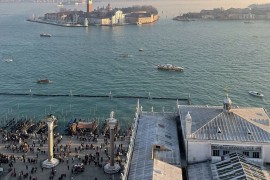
x=237, y=166
x=240, y=124
x=165, y=171
x=156, y=131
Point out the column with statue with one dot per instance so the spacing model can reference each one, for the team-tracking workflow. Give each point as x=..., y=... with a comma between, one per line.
x=112, y=167
x=51, y=161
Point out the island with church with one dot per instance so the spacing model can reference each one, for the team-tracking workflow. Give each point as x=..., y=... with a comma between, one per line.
x=105, y=16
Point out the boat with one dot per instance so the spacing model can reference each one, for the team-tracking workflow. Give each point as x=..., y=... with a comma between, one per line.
x=43, y=81
x=8, y=59
x=248, y=22
x=141, y=49
x=169, y=67
x=254, y=93
x=45, y=35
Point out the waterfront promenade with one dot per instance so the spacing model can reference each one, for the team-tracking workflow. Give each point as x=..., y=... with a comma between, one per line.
x=70, y=150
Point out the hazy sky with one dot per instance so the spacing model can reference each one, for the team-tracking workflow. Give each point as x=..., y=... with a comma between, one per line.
x=174, y=7
x=166, y=8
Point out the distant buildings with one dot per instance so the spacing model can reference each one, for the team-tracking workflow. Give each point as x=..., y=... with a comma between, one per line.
x=253, y=12
x=104, y=16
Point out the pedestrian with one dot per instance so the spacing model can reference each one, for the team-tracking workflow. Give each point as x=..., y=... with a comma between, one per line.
x=68, y=167
x=26, y=167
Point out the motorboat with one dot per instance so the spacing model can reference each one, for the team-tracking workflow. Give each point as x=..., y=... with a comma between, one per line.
x=43, y=81
x=45, y=35
x=248, y=22
x=141, y=49
x=254, y=93
x=8, y=60
x=170, y=67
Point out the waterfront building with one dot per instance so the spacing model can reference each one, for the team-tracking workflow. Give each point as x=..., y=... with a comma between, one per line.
x=218, y=130
x=107, y=18
x=211, y=133
x=63, y=17
x=118, y=18
x=141, y=18
x=254, y=12
x=207, y=142
x=208, y=16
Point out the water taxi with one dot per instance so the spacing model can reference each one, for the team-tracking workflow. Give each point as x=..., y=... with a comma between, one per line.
x=254, y=93
x=43, y=81
x=170, y=67
x=45, y=35
x=8, y=60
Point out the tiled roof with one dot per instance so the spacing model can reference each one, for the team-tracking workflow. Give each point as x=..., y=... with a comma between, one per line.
x=165, y=171
x=236, y=166
x=154, y=129
x=218, y=125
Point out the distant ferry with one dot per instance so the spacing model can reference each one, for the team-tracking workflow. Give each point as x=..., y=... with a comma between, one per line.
x=43, y=81
x=170, y=67
x=45, y=35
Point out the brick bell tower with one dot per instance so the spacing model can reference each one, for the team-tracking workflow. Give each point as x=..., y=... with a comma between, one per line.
x=89, y=6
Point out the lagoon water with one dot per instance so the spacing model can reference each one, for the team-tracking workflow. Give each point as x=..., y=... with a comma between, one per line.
x=215, y=55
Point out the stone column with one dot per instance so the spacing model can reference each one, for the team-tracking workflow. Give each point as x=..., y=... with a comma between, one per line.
x=50, y=139
x=50, y=162
x=112, y=144
x=112, y=167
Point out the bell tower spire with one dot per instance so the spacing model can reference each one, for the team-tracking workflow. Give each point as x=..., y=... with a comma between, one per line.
x=89, y=6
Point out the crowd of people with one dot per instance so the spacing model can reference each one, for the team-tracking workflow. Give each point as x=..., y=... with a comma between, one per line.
x=75, y=152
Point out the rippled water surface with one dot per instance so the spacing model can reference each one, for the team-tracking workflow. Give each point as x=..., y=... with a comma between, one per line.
x=215, y=55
